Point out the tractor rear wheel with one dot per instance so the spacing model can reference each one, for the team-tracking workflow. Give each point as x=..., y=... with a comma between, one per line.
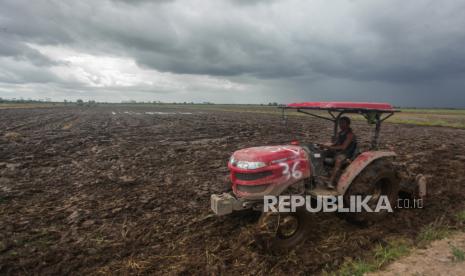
x=282, y=232
x=378, y=179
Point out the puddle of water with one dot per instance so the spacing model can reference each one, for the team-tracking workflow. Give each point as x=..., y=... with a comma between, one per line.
x=132, y=113
x=160, y=113
x=168, y=113
x=155, y=113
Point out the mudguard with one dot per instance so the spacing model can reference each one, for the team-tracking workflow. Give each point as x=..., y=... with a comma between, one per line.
x=357, y=166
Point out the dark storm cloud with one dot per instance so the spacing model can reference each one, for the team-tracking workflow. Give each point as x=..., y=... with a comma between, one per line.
x=403, y=45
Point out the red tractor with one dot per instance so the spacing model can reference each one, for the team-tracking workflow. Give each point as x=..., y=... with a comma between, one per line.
x=299, y=168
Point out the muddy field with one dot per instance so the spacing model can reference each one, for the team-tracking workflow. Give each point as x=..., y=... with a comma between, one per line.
x=126, y=190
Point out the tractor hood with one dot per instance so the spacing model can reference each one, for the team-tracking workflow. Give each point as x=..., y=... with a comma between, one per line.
x=268, y=154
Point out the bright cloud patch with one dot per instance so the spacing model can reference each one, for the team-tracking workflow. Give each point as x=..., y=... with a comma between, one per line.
x=117, y=72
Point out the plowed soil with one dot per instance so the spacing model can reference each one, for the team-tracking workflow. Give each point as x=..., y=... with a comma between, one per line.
x=118, y=189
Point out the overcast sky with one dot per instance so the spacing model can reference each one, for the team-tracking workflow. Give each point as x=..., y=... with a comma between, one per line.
x=409, y=53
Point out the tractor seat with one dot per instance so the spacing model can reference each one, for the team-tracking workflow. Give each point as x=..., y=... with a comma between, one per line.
x=330, y=161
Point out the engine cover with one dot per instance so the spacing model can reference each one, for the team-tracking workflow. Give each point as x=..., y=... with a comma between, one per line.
x=268, y=170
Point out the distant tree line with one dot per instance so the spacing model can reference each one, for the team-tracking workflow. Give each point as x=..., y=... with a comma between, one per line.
x=80, y=102
x=21, y=100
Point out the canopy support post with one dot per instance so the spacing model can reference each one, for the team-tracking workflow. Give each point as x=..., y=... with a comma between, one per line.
x=336, y=125
x=374, y=142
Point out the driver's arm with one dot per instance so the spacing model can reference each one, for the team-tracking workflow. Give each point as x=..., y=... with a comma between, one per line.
x=349, y=139
x=326, y=145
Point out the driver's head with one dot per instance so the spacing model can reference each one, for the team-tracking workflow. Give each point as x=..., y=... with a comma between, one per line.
x=344, y=123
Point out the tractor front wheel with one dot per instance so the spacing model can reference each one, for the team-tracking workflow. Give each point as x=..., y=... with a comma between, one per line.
x=282, y=232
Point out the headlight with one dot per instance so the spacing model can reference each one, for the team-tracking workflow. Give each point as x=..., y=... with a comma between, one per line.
x=250, y=165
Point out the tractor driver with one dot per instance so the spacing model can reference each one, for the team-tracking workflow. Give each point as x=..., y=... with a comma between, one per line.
x=343, y=149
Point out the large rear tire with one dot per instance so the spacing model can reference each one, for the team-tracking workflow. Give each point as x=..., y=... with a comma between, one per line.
x=379, y=178
x=282, y=232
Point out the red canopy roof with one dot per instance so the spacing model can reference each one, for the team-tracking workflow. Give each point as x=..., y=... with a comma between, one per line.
x=343, y=105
